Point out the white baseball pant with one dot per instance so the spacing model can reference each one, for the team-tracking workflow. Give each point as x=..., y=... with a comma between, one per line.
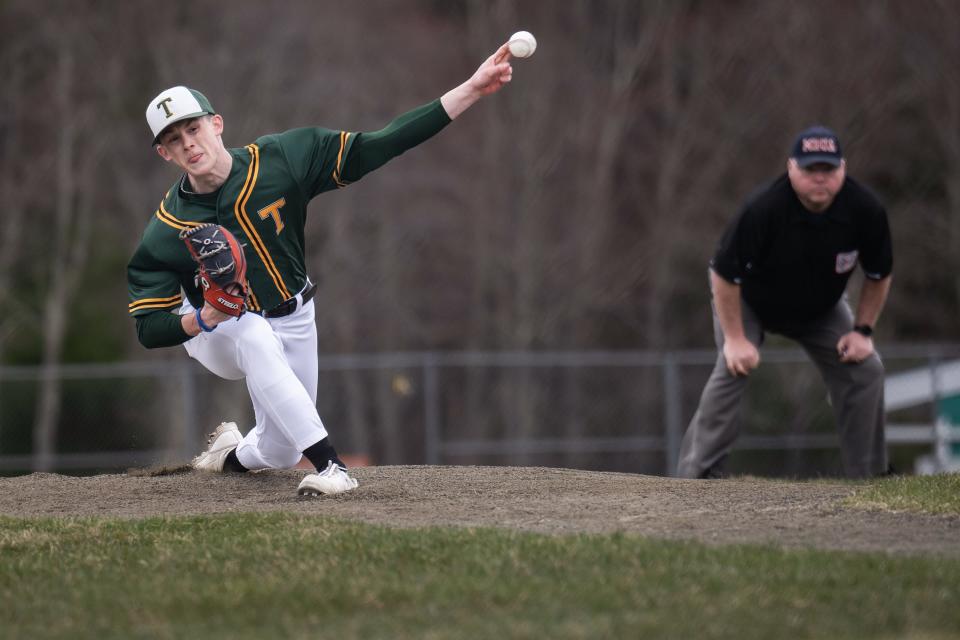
x=278, y=358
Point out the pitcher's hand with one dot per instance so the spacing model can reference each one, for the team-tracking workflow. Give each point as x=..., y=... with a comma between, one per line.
x=495, y=72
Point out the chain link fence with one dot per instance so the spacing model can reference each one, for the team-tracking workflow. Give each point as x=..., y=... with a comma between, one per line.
x=603, y=410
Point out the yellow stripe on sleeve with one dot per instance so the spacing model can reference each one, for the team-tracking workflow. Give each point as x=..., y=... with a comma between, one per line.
x=338, y=169
x=155, y=303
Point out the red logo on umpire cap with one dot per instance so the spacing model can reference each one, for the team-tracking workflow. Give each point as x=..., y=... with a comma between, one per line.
x=818, y=145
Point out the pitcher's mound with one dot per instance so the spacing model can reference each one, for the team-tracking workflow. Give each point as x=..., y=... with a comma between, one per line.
x=545, y=500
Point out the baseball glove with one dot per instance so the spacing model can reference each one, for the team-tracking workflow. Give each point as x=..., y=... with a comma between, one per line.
x=221, y=267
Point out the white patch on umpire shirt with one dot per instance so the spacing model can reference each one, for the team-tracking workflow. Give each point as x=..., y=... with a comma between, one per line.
x=847, y=261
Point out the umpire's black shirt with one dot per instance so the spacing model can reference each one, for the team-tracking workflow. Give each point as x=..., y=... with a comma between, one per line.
x=792, y=264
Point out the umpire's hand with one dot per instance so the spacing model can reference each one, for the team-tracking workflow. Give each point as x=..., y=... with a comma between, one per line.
x=741, y=355
x=854, y=347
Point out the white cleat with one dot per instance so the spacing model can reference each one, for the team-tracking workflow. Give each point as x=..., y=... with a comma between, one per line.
x=333, y=479
x=221, y=442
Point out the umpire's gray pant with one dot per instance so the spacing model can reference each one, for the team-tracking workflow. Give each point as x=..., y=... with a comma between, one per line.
x=856, y=393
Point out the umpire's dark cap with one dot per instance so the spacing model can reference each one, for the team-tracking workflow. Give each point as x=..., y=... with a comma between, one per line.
x=817, y=144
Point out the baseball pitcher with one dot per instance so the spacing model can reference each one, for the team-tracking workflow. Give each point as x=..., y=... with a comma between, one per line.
x=221, y=269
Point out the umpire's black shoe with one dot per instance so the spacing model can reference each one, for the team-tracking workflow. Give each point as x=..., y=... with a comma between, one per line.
x=713, y=473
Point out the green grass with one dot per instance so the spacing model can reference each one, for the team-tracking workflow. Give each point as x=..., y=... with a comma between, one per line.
x=281, y=575
x=918, y=494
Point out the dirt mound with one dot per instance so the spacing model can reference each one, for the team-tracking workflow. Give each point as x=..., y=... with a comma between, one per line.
x=553, y=501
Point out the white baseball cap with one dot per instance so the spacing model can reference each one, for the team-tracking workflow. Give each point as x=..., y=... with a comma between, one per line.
x=173, y=105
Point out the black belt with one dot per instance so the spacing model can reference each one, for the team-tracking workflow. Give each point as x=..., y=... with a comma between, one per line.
x=287, y=307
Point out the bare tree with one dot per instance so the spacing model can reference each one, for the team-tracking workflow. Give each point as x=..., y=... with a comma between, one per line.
x=13, y=182
x=930, y=49
x=69, y=249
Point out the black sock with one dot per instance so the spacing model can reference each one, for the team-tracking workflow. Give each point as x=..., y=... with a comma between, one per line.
x=322, y=453
x=232, y=464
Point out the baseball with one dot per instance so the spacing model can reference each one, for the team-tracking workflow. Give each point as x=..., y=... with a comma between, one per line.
x=522, y=44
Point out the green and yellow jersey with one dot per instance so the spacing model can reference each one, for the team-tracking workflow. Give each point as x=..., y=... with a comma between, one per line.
x=263, y=202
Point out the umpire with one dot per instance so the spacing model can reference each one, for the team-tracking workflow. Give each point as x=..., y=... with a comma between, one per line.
x=782, y=266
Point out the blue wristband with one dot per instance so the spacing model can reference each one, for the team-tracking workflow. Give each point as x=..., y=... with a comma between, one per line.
x=202, y=326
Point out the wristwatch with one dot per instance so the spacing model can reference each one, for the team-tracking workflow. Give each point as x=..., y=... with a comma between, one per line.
x=864, y=330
